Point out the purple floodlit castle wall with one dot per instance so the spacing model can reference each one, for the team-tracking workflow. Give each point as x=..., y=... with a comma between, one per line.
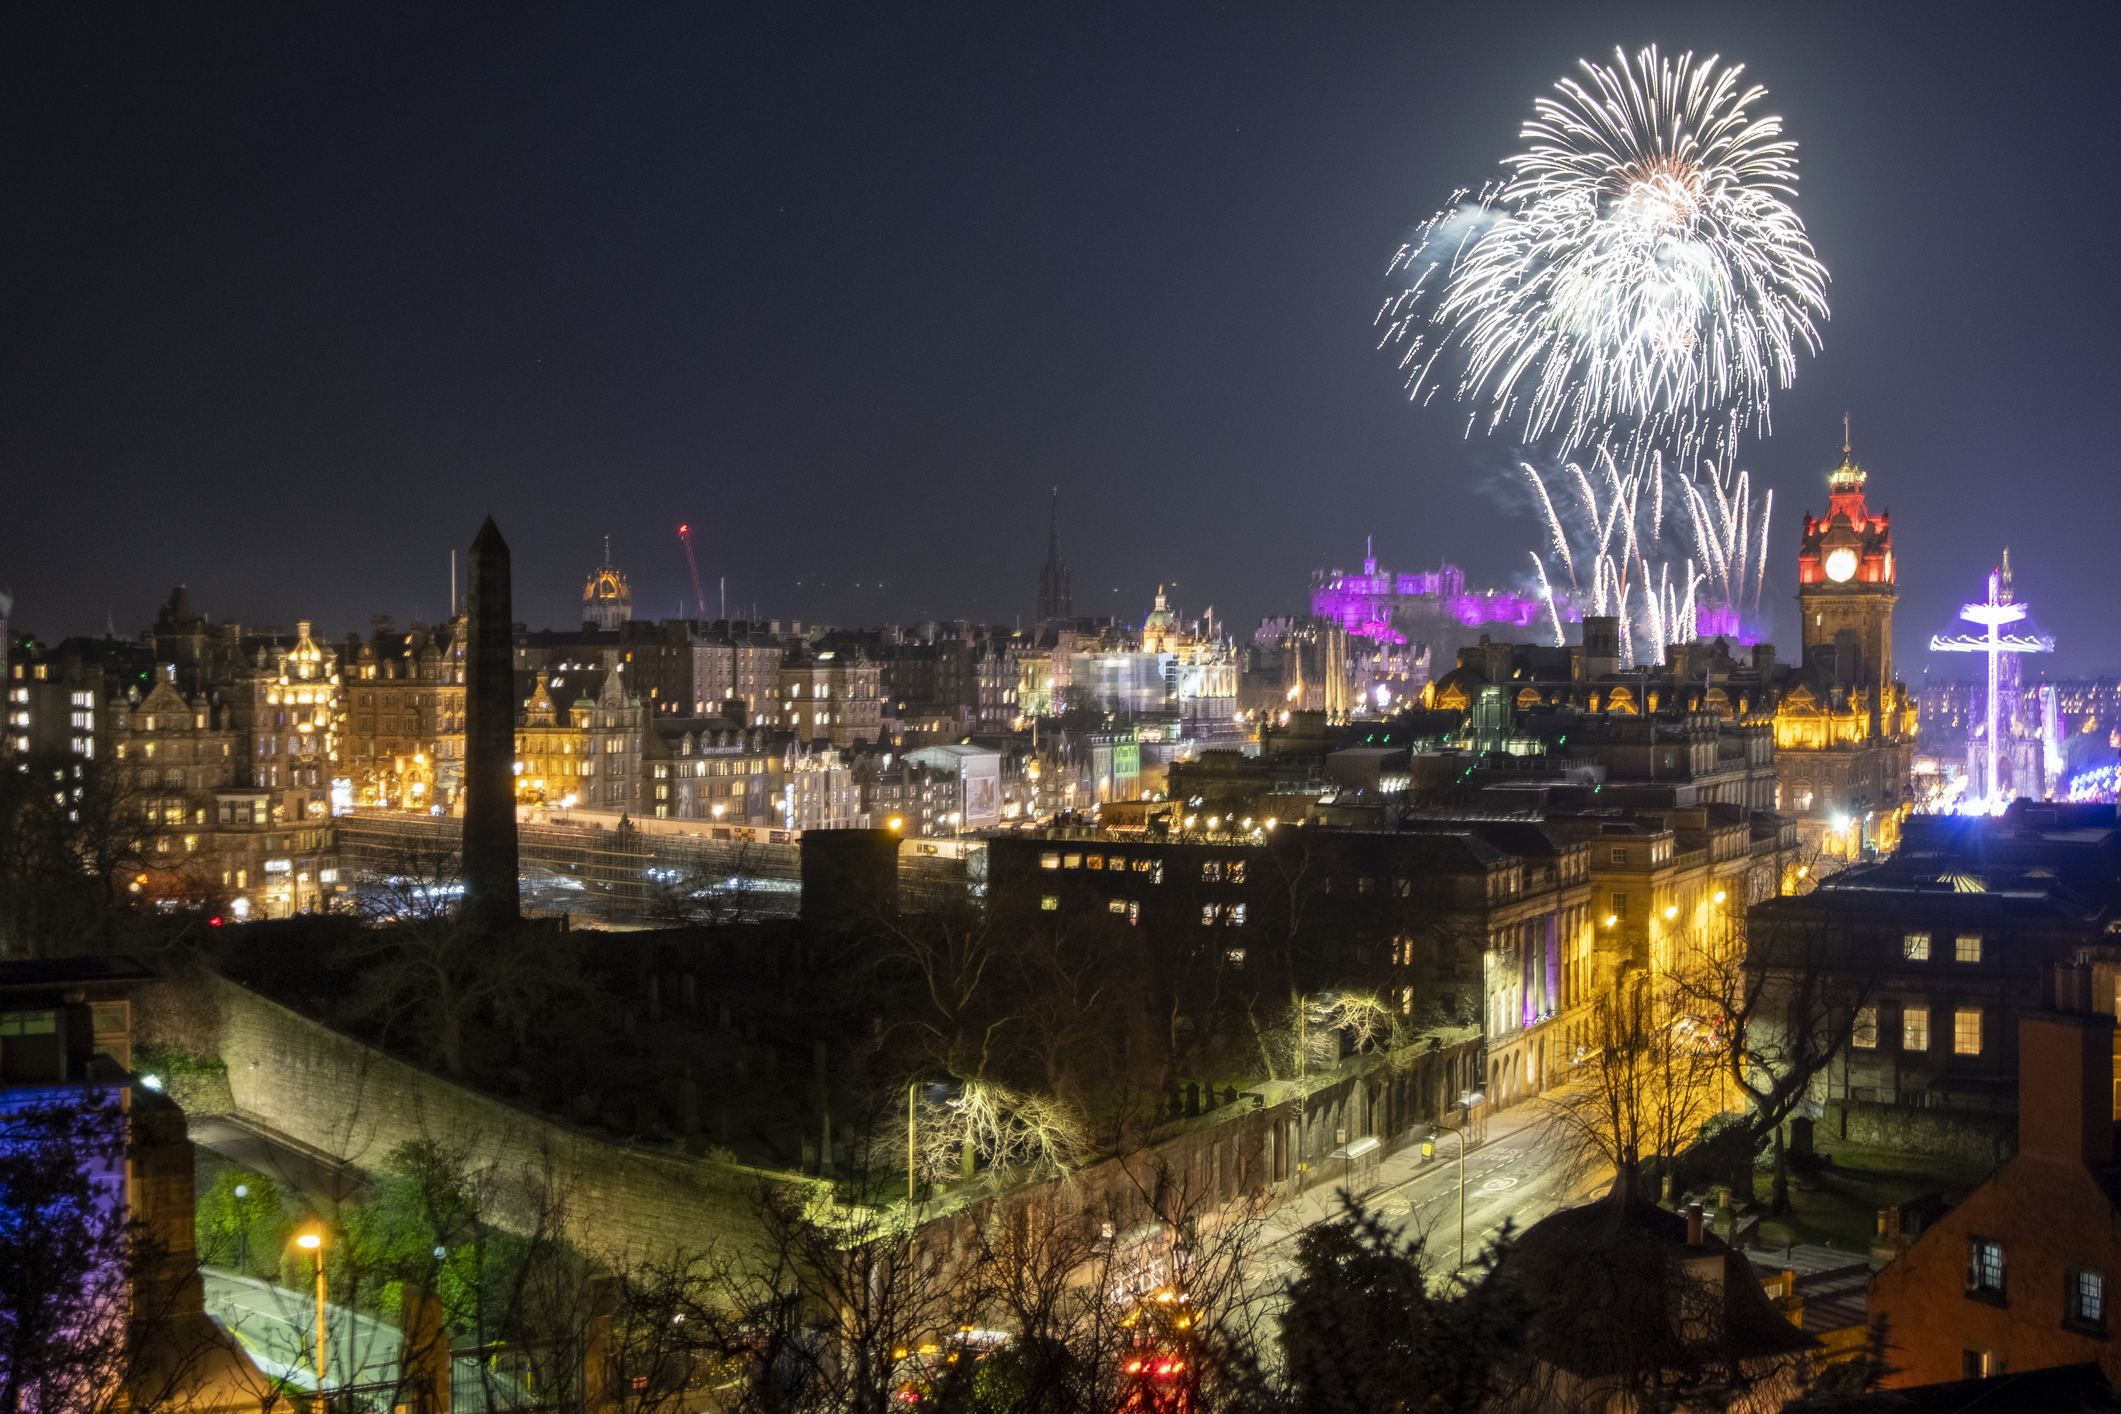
x=1721, y=621
x=1365, y=603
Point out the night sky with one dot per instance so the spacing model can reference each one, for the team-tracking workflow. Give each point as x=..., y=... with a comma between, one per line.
x=294, y=295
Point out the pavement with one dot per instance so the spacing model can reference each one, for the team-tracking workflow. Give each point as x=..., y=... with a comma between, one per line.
x=318, y=1176
x=1514, y=1173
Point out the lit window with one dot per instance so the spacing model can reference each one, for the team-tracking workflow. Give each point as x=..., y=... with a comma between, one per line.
x=1049, y=902
x=1211, y=871
x=1984, y=1265
x=1049, y=861
x=1237, y=871
x=2087, y=1299
x=1207, y=915
x=1237, y=915
x=1915, y=947
x=1864, y=1033
x=1118, y=905
x=1967, y=947
x=1093, y=861
x=1966, y=1031
x=1071, y=861
x=1915, y=1029
x=29, y=1023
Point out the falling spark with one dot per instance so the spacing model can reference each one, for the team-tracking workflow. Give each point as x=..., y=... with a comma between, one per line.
x=1546, y=592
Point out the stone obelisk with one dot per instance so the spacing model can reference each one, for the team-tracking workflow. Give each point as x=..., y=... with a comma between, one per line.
x=491, y=902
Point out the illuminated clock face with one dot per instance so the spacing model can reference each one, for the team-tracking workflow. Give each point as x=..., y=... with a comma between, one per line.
x=1841, y=565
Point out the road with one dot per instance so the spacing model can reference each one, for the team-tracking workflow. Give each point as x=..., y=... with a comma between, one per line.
x=1516, y=1173
x=277, y=1325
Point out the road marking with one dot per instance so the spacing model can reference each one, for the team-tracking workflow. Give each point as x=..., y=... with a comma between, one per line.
x=1498, y=1185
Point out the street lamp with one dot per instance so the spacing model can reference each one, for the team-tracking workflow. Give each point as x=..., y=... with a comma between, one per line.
x=1429, y=1151
x=312, y=1239
x=242, y=1228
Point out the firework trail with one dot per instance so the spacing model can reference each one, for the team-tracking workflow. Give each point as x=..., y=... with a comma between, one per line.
x=1546, y=592
x=1723, y=534
x=1637, y=282
x=1615, y=527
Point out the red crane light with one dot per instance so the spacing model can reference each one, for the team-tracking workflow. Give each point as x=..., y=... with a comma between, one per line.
x=699, y=595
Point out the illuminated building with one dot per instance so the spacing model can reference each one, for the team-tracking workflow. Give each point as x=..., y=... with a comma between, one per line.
x=66, y=1041
x=719, y=772
x=1179, y=676
x=1305, y=667
x=1431, y=607
x=613, y=726
x=926, y=800
x=827, y=694
x=403, y=743
x=549, y=754
x=1948, y=940
x=224, y=838
x=1043, y=664
x=1844, y=727
x=1310, y=664
x=1695, y=722
x=55, y=706
x=735, y=661
x=607, y=599
x=234, y=746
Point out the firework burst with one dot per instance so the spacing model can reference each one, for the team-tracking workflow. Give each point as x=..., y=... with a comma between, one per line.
x=1638, y=281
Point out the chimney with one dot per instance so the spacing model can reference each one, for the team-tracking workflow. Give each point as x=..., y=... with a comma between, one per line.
x=1694, y=1225
x=1601, y=645
x=2066, y=1078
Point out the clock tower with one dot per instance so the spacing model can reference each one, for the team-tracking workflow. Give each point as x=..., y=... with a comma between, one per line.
x=1845, y=590
x=1844, y=729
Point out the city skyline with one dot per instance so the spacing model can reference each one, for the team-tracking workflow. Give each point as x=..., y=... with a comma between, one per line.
x=854, y=330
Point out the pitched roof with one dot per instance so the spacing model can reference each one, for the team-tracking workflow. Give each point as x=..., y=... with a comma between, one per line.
x=1614, y=1285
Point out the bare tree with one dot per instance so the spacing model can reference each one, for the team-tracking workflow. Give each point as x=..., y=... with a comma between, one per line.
x=426, y=973
x=78, y=856
x=1778, y=994
x=720, y=884
x=1653, y=1078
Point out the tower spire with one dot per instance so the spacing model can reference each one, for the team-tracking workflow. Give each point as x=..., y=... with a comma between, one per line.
x=1054, y=599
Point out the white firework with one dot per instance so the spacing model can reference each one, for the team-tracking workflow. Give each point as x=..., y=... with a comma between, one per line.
x=1614, y=528
x=1638, y=282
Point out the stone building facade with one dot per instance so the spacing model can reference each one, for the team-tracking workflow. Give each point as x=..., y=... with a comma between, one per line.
x=827, y=695
x=402, y=746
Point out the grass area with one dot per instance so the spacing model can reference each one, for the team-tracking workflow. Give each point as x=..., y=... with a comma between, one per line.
x=1837, y=1206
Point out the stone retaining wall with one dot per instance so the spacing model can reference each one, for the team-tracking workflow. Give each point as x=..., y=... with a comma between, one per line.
x=347, y=1099
x=1979, y=1139
x=344, y=1098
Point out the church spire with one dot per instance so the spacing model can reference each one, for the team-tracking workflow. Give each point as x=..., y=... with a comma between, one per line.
x=1054, y=599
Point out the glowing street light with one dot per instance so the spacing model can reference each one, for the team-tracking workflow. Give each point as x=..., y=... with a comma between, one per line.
x=311, y=1239
x=1428, y=1151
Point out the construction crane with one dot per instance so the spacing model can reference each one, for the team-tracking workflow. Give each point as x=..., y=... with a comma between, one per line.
x=699, y=595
